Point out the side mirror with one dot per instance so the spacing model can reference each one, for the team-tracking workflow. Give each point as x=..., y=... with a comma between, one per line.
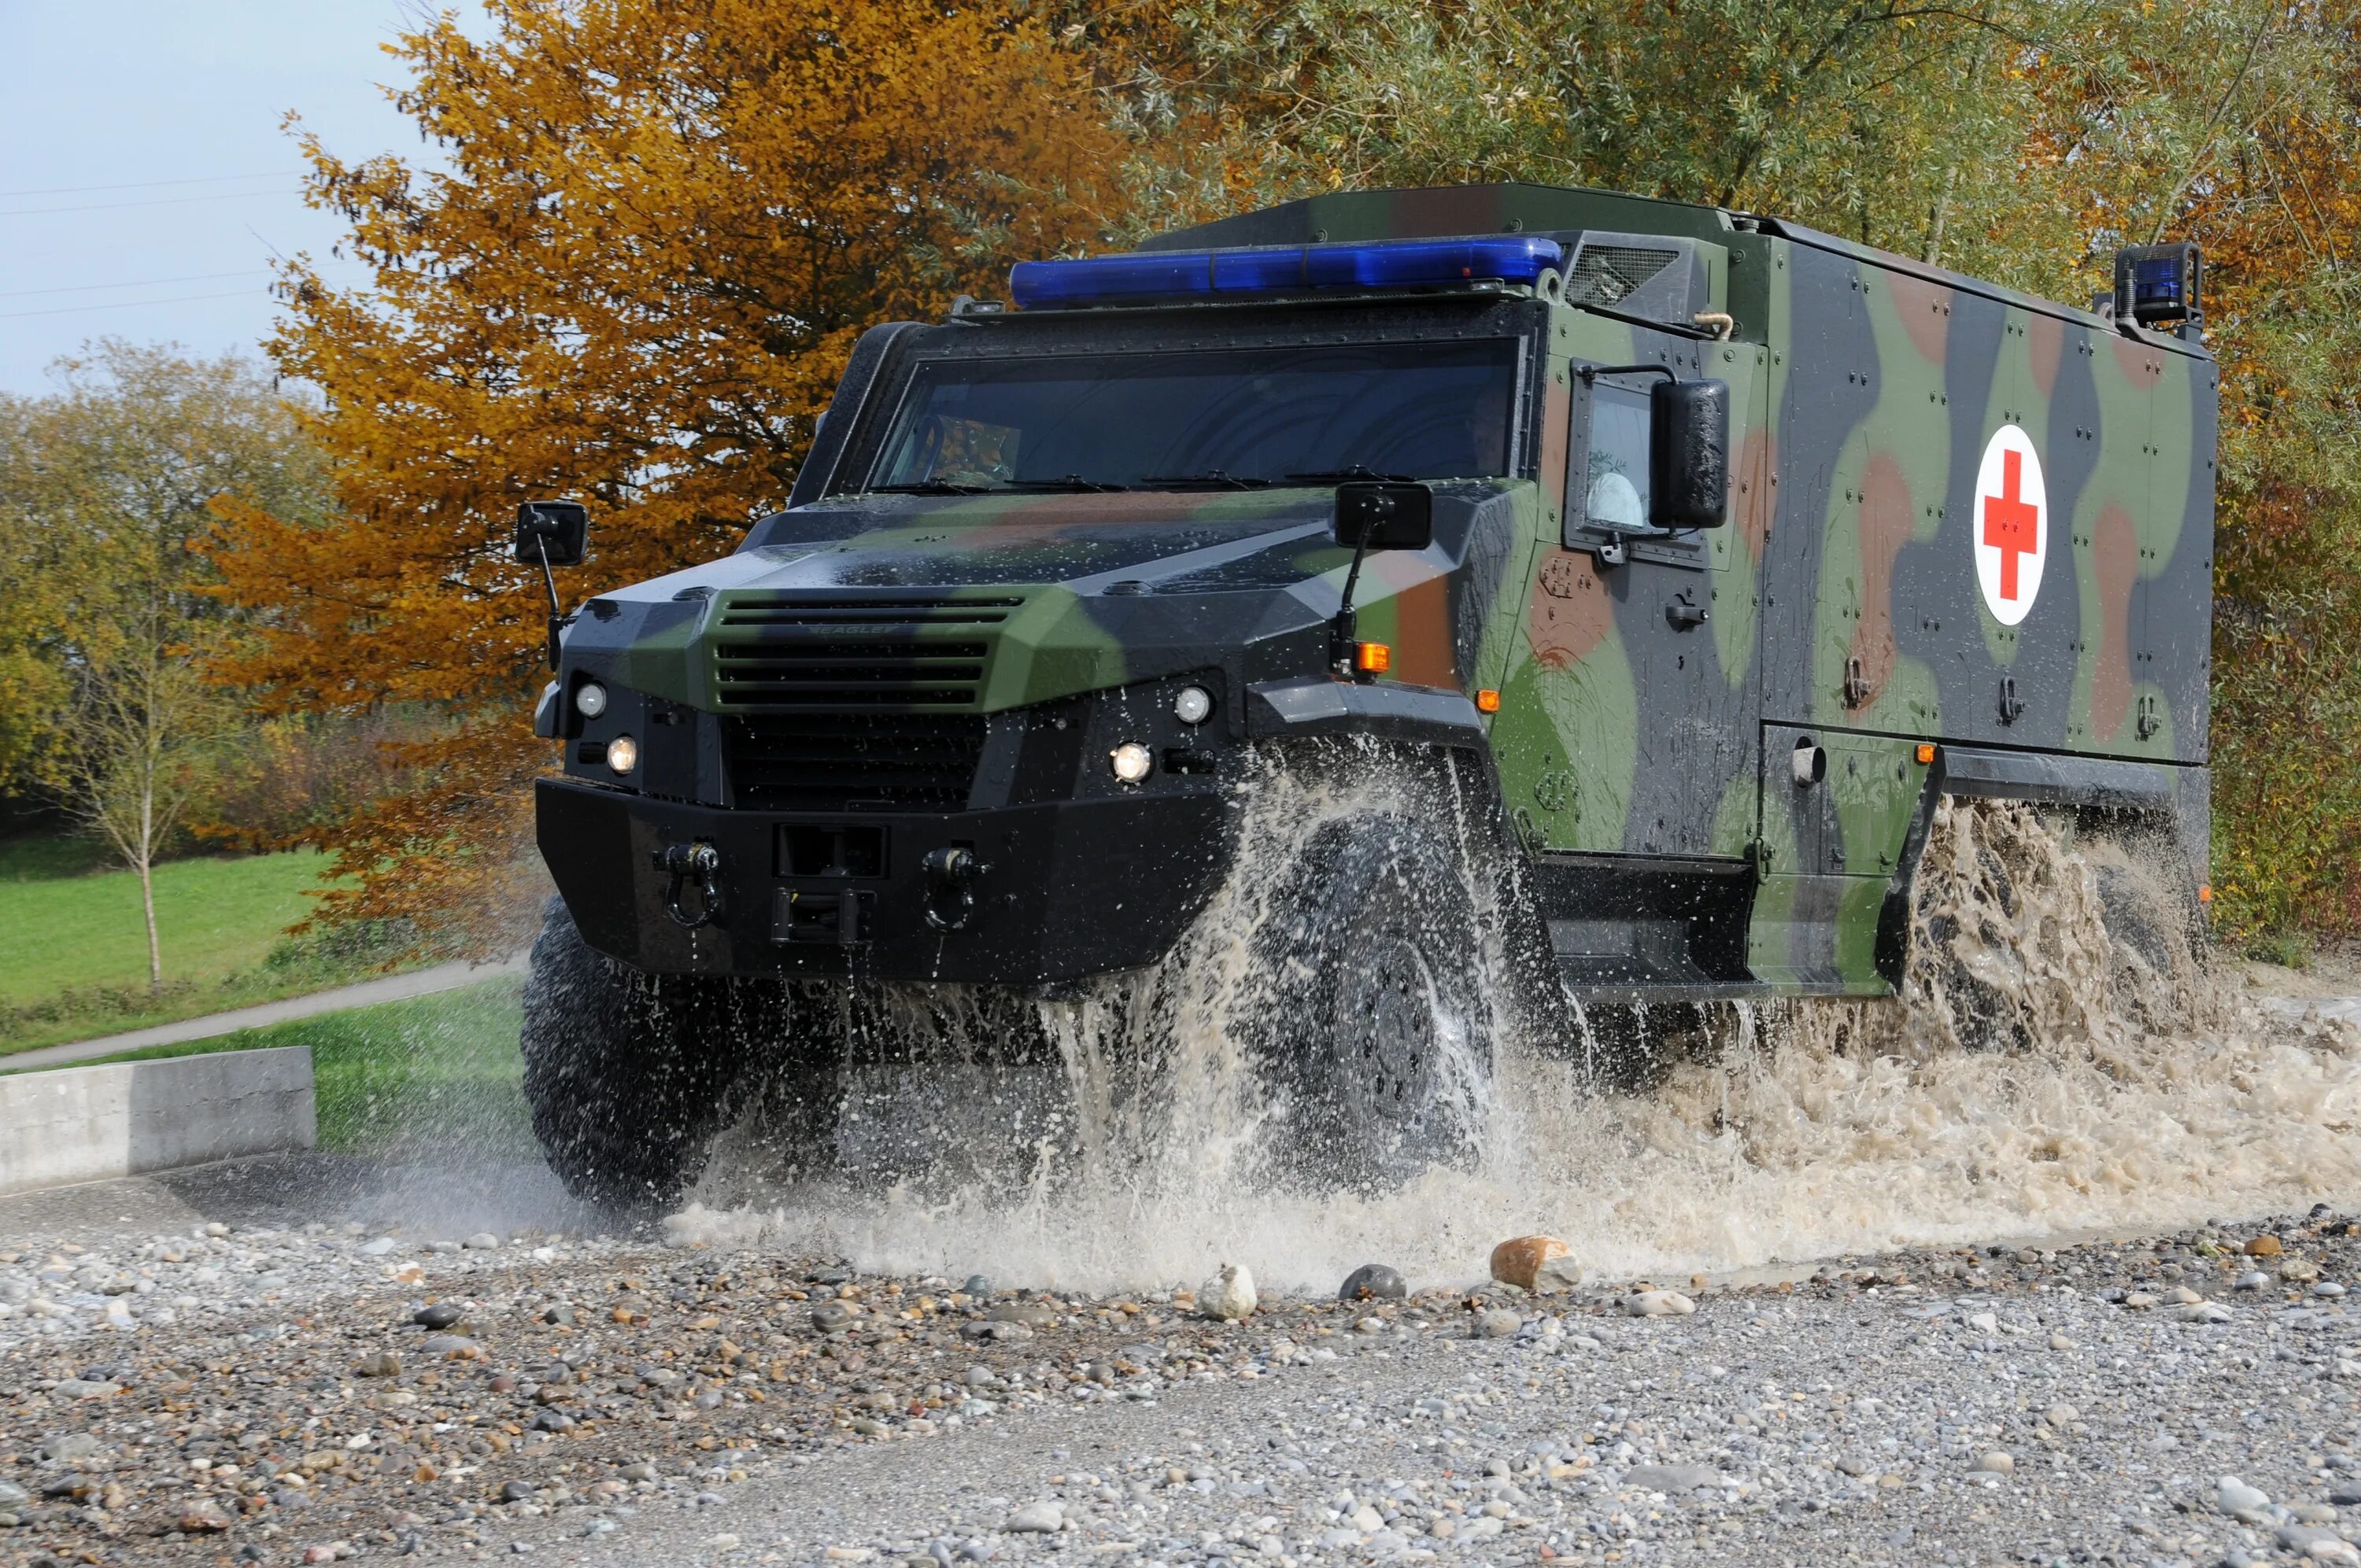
x=1382, y=516
x=1689, y=454
x=562, y=528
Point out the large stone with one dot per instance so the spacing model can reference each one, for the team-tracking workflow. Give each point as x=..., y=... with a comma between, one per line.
x=2319, y=1544
x=1229, y=1295
x=1519, y=1260
x=204, y=1517
x=2240, y=1501
x=1372, y=1282
x=1037, y=1518
x=1032, y=1314
x=2263, y=1246
x=1674, y=1480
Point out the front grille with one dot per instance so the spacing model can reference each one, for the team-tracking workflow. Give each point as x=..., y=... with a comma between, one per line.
x=851, y=651
x=853, y=761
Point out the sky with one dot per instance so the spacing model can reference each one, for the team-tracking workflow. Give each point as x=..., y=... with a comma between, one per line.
x=145, y=177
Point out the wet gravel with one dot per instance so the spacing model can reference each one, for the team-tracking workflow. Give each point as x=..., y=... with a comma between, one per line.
x=303, y=1394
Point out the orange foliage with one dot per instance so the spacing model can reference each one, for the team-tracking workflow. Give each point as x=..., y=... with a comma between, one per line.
x=659, y=232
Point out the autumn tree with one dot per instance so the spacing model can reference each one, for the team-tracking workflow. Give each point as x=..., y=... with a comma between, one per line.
x=104, y=490
x=632, y=279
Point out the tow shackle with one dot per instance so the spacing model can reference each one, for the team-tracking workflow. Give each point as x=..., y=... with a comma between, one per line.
x=683, y=863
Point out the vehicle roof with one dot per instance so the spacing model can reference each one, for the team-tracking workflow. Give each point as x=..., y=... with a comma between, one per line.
x=1513, y=206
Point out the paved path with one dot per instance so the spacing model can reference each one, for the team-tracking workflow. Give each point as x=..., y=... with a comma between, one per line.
x=393, y=988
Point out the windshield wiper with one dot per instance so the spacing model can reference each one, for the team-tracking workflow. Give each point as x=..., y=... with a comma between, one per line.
x=1339, y=476
x=1212, y=479
x=933, y=487
x=1070, y=482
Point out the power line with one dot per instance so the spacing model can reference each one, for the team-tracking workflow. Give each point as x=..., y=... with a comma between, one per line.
x=127, y=304
x=147, y=184
x=143, y=283
x=152, y=202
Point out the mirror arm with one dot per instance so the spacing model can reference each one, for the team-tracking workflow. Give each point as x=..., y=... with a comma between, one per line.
x=1345, y=630
x=556, y=611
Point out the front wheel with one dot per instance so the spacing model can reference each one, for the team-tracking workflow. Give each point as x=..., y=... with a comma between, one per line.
x=628, y=1076
x=1378, y=1029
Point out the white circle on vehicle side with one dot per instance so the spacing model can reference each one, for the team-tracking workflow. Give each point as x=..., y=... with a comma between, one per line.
x=2012, y=524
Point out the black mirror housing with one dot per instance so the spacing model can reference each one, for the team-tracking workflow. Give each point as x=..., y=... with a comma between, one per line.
x=562, y=528
x=1689, y=454
x=1378, y=515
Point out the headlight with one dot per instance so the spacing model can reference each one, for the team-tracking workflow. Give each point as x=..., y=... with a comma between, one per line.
x=1194, y=705
x=1130, y=762
x=589, y=700
x=622, y=755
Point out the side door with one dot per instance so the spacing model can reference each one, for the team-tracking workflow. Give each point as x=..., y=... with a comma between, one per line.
x=1633, y=712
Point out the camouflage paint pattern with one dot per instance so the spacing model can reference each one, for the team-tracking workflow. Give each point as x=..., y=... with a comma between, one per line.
x=1650, y=707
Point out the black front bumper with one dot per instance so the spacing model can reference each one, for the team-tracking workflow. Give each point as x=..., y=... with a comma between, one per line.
x=1066, y=890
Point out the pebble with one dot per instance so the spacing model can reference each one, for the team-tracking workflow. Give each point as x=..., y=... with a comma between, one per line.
x=2319, y=1544
x=440, y=1315
x=1999, y=1461
x=2237, y=1499
x=2263, y=1246
x=1372, y=1282
x=2203, y=1313
x=2328, y=1287
x=2252, y=1279
x=1498, y=1322
x=1658, y=1304
x=1037, y=1518
x=482, y=1241
x=378, y=1364
x=2298, y=1271
x=1674, y=1480
x=1229, y=1295
x=1519, y=1261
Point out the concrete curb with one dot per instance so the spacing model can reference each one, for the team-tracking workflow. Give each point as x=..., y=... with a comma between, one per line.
x=86, y=1123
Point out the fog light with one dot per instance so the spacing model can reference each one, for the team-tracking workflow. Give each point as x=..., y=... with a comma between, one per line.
x=622, y=753
x=1130, y=762
x=1194, y=705
x=589, y=700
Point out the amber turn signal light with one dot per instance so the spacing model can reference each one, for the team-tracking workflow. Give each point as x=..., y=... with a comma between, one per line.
x=1372, y=658
x=1926, y=752
x=1487, y=701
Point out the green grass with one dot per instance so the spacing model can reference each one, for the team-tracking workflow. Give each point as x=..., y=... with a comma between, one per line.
x=74, y=963
x=213, y=918
x=407, y=1078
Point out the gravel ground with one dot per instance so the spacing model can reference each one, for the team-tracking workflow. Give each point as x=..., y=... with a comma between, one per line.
x=241, y=1389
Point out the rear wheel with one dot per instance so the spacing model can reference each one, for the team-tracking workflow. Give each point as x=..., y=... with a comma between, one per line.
x=628, y=1075
x=1378, y=1029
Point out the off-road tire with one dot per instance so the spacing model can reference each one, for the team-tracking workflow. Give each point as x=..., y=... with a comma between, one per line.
x=1383, y=956
x=628, y=1075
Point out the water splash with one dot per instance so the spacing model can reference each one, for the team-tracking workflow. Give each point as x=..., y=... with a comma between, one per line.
x=2041, y=1073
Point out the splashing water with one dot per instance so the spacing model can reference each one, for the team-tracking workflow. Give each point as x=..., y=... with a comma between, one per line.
x=2060, y=1062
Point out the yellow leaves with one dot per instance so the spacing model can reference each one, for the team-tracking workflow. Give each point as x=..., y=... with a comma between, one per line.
x=661, y=230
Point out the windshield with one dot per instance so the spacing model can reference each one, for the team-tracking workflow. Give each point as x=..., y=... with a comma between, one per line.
x=1214, y=418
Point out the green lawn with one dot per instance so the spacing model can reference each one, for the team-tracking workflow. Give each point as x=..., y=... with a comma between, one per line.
x=214, y=917
x=405, y=1078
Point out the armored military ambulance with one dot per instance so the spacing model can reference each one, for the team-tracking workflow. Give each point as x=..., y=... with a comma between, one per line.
x=1700, y=551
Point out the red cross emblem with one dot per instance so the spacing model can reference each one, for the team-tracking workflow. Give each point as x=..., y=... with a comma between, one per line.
x=2011, y=530
x=2012, y=523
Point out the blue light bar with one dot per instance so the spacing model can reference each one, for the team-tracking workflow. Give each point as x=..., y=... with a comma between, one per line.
x=1382, y=264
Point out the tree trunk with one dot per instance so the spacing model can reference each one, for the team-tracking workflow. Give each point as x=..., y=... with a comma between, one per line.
x=155, y=949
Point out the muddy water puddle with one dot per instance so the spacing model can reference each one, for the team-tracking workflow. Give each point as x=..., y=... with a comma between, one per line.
x=2059, y=1064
